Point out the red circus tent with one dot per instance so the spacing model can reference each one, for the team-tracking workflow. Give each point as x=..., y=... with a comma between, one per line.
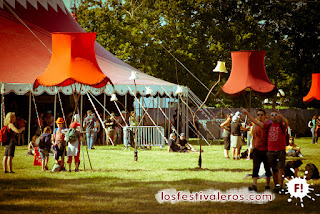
x=26, y=46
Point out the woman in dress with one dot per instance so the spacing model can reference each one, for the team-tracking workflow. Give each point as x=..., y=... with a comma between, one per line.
x=10, y=148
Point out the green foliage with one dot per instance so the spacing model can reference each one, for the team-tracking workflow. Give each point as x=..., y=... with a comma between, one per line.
x=147, y=34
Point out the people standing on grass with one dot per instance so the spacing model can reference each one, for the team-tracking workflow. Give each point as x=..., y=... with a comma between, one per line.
x=260, y=147
x=44, y=146
x=235, y=139
x=249, y=141
x=73, y=137
x=11, y=137
x=317, y=130
x=111, y=129
x=59, y=142
x=89, y=125
x=276, y=142
x=312, y=127
x=226, y=135
x=21, y=123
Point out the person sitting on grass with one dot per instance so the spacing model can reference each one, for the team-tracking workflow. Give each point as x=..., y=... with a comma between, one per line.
x=292, y=149
x=31, y=145
x=172, y=145
x=184, y=145
x=44, y=145
x=291, y=168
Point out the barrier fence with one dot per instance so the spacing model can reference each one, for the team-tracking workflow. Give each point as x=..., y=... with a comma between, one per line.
x=146, y=136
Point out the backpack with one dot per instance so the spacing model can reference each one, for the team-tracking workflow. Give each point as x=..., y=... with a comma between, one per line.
x=40, y=141
x=285, y=132
x=311, y=171
x=310, y=124
x=71, y=135
x=4, y=136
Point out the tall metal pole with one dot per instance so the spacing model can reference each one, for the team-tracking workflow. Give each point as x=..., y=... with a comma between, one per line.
x=2, y=110
x=29, y=119
x=104, y=117
x=54, y=111
x=187, y=117
x=136, y=128
x=81, y=121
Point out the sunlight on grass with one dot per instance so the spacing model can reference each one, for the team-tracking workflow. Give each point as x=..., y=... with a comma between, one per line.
x=118, y=184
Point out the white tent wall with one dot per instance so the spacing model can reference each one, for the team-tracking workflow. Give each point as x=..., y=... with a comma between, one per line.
x=158, y=117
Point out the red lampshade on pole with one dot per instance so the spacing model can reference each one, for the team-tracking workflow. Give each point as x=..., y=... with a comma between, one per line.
x=248, y=72
x=314, y=92
x=73, y=60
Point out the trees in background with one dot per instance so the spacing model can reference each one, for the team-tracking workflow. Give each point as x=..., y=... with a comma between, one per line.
x=161, y=37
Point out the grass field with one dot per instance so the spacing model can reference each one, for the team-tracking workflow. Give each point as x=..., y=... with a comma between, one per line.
x=117, y=184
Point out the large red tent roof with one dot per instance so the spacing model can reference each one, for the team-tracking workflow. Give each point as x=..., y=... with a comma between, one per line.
x=25, y=51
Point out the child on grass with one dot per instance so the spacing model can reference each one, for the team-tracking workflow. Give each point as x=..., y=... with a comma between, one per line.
x=44, y=147
x=31, y=145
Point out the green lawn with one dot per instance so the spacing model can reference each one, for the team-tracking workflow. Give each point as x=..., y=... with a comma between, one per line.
x=117, y=184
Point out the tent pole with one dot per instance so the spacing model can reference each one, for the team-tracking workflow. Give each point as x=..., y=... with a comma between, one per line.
x=169, y=124
x=178, y=116
x=165, y=112
x=126, y=104
x=187, y=117
x=154, y=109
x=2, y=109
x=81, y=121
x=104, y=116
x=54, y=111
x=29, y=120
x=158, y=104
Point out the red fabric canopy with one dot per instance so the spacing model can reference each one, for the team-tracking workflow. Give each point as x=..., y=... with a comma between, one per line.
x=73, y=60
x=25, y=51
x=314, y=92
x=248, y=71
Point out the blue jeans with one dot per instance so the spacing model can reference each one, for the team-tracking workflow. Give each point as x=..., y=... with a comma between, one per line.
x=313, y=135
x=90, y=139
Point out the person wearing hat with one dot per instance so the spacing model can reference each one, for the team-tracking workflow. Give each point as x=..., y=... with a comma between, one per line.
x=73, y=138
x=90, y=125
x=184, y=145
x=235, y=138
x=59, y=142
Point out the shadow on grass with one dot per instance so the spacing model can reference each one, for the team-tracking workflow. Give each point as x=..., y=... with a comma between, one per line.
x=104, y=194
x=211, y=170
